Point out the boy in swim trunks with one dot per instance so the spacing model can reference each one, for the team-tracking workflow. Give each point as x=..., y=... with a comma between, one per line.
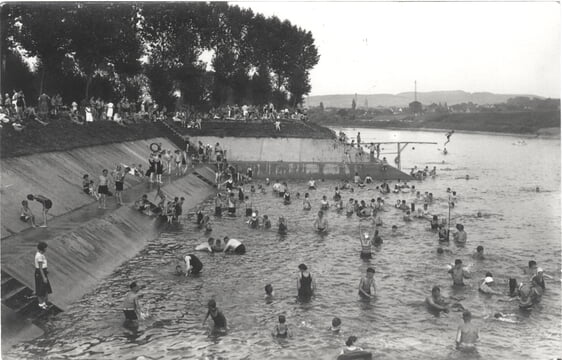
x=367, y=284
x=458, y=273
x=467, y=333
x=320, y=224
x=47, y=204
x=131, y=306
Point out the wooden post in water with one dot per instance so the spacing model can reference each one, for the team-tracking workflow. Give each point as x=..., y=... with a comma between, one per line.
x=397, y=160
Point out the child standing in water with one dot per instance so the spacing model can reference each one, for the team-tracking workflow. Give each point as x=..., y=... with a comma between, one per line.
x=367, y=284
x=281, y=330
x=219, y=326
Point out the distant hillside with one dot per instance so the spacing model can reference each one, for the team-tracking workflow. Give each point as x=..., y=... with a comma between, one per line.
x=403, y=99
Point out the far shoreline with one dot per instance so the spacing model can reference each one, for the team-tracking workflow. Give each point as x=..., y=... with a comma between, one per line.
x=476, y=132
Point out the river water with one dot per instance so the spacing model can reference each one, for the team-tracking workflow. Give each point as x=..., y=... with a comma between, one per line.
x=518, y=225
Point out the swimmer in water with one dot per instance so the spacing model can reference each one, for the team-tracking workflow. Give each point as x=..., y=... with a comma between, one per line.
x=132, y=307
x=320, y=224
x=234, y=246
x=394, y=231
x=436, y=301
x=266, y=223
x=208, y=246
x=367, y=284
x=442, y=251
x=253, y=222
x=467, y=333
x=218, y=247
x=366, y=243
x=324, y=205
x=193, y=265
x=219, y=320
x=306, y=202
x=336, y=325
x=486, y=286
x=458, y=273
x=281, y=330
x=349, y=208
x=269, y=292
x=479, y=254
x=460, y=235
x=282, y=226
x=510, y=318
x=350, y=347
x=306, y=284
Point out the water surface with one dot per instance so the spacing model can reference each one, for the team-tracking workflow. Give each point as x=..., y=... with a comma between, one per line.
x=519, y=225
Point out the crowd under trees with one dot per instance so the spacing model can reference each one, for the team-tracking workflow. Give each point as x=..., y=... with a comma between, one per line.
x=116, y=50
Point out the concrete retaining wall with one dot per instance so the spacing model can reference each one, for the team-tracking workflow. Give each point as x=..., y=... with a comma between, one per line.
x=282, y=149
x=307, y=170
x=58, y=176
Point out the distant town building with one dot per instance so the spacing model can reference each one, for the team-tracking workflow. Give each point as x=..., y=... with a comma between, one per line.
x=415, y=107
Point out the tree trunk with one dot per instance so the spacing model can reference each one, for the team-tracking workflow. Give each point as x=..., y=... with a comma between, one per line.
x=42, y=80
x=88, y=83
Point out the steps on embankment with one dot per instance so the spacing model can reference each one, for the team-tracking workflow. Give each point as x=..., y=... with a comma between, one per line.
x=58, y=176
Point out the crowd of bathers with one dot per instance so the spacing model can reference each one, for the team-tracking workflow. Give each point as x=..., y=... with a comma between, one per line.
x=235, y=201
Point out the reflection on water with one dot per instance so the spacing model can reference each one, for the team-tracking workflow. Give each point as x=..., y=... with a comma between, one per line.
x=518, y=225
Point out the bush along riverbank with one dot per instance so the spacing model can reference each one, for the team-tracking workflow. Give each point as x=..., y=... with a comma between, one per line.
x=528, y=123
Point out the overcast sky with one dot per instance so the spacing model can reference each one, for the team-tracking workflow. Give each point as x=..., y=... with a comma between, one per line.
x=382, y=47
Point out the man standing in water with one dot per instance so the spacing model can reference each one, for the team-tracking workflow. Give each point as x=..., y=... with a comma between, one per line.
x=320, y=224
x=306, y=285
x=458, y=273
x=366, y=284
x=131, y=306
x=467, y=334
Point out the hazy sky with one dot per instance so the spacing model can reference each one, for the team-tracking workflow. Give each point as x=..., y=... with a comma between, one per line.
x=382, y=47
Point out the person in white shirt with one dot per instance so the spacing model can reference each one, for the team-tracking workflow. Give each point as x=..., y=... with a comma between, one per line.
x=109, y=110
x=234, y=246
x=42, y=284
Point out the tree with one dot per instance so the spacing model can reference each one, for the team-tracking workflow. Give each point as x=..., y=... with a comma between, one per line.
x=104, y=40
x=42, y=30
x=321, y=106
x=353, y=104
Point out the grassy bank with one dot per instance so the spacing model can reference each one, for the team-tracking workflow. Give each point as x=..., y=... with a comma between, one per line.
x=65, y=135
x=243, y=129
x=515, y=122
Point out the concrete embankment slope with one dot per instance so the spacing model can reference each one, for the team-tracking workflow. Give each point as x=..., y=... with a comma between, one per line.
x=86, y=245
x=58, y=176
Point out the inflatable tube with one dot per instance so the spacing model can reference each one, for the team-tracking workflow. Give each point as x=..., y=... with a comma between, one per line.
x=356, y=355
x=397, y=160
x=154, y=147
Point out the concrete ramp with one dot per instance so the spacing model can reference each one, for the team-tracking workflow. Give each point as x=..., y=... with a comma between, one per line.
x=58, y=176
x=87, y=245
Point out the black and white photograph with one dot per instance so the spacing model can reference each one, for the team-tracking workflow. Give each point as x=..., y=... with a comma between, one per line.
x=331, y=180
